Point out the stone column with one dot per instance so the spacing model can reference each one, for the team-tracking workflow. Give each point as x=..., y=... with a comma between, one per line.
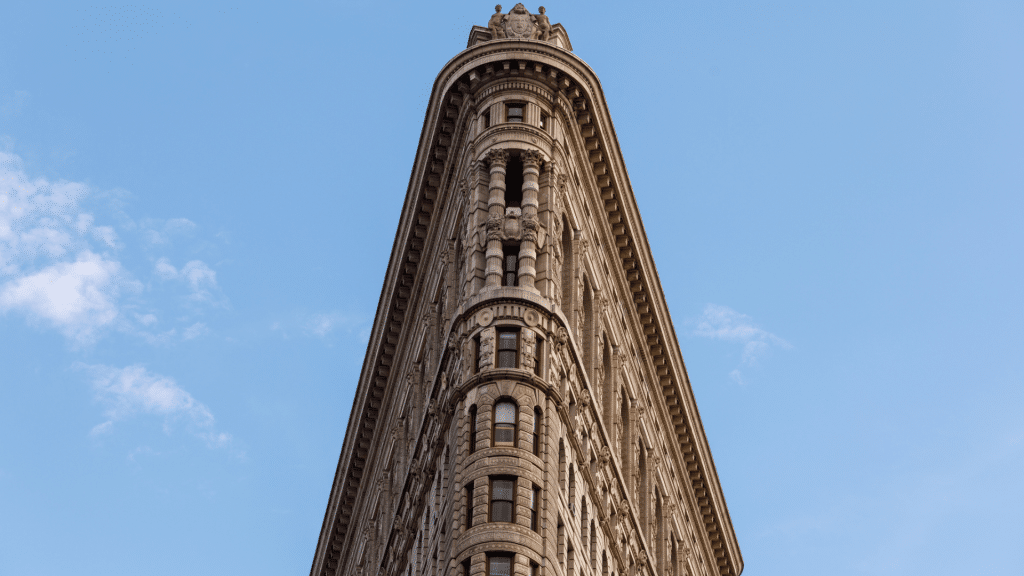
x=528, y=247
x=495, y=216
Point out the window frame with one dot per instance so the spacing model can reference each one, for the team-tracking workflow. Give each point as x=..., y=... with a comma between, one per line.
x=494, y=424
x=509, y=106
x=535, y=509
x=498, y=349
x=509, y=251
x=491, y=499
x=472, y=428
x=511, y=562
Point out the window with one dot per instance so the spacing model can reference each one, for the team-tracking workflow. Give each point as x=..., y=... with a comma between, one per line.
x=508, y=349
x=499, y=566
x=514, y=177
x=505, y=423
x=503, y=498
x=476, y=353
x=544, y=121
x=472, y=429
x=536, y=431
x=538, y=357
x=535, y=509
x=465, y=566
x=510, y=266
x=534, y=569
x=515, y=111
x=487, y=118
x=469, y=506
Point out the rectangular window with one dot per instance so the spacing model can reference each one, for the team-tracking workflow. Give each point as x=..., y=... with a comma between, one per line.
x=535, y=509
x=515, y=111
x=476, y=353
x=503, y=498
x=544, y=121
x=536, y=431
x=472, y=429
x=538, y=357
x=499, y=566
x=510, y=266
x=487, y=118
x=508, y=349
x=469, y=506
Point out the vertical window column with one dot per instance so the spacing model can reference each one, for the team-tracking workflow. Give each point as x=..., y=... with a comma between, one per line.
x=495, y=216
x=528, y=247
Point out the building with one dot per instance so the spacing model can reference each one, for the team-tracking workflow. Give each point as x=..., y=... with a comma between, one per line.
x=523, y=408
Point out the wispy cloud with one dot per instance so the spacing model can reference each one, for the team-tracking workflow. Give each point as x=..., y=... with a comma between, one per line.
x=163, y=231
x=724, y=323
x=133, y=390
x=199, y=277
x=195, y=331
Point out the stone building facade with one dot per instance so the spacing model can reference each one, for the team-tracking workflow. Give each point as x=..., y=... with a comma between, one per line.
x=523, y=409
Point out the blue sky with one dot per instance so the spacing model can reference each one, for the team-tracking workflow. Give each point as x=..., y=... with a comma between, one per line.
x=198, y=199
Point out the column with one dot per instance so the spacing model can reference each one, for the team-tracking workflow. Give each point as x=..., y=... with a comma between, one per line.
x=528, y=247
x=495, y=216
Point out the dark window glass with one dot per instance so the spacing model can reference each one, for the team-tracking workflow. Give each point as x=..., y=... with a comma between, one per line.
x=469, y=505
x=472, y=429
x=510, y=266
x=538, y=356
x=508, y=349
x=515, y=112
x=487, y=118
x=502, y=500
x=534, y=508
x=544, y=121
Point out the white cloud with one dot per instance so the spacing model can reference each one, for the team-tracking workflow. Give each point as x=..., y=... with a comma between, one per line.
x=37, y=216
x=165, y=270
x=724, y=323
x=322, y=324
x=134, y=390
x=162, y=231
x=194, y=331
x=200, y=277
x=77, y=297
x=58, y=266
x=146, y=319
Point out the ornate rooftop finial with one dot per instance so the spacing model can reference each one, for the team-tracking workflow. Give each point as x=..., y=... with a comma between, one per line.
x=520, y=24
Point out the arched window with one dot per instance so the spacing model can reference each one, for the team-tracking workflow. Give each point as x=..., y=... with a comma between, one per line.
x=505, y=423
